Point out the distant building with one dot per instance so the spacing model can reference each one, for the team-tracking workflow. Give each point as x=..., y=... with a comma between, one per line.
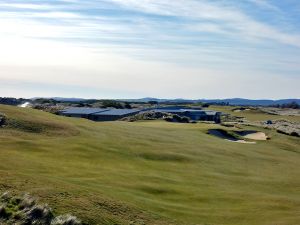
x=113, y=114
x=98, y=114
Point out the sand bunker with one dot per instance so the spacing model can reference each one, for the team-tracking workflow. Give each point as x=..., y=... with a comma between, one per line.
x=228, y=136
x=241, y=109
x=253, y=135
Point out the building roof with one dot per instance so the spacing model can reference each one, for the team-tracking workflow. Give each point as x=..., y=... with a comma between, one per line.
x=122, y=112
x=170, y=110
x=116, y=112
x=82, y=111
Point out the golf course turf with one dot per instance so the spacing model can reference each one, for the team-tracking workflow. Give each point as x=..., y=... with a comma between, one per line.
x=149, y=172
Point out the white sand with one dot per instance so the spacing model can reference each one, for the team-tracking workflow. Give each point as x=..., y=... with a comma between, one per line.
x=227, y=138
x=259, y=136
x=243, y=142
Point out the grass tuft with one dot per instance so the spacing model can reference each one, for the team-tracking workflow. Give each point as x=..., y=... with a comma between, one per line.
x=26, y=211
x=66, y=220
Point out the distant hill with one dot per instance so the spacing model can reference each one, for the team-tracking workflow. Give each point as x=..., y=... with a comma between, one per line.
x=260, y=102
x=230, y=101
x=62, y=99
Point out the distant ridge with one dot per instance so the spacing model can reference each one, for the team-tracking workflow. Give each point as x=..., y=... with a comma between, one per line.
x=230, y=101
x=62, y=99
x=260, y=102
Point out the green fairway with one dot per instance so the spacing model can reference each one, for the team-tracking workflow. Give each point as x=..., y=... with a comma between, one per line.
x=150, y=172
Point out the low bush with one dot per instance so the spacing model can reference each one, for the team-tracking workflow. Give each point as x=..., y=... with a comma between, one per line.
x=3, y=119
x=177, y=119
x=65, y=220
x=295, y=134
x=150, y=115
x=26, y=211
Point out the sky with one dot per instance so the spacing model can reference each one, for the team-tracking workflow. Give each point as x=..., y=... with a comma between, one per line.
x=150, y=48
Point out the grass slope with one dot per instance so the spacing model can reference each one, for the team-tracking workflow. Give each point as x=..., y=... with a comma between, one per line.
x=149, y=172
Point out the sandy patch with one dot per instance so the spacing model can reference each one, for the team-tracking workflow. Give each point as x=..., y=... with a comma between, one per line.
x=253, y=135
x=228, y=137
x=260, y=136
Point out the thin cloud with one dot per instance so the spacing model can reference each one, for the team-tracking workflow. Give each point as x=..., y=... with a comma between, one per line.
x=198, y=16
x=25, y=6
x=265, y=5
x=104, y=43
x=235, y=19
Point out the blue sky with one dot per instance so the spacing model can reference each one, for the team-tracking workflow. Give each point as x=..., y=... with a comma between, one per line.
x=160, y=48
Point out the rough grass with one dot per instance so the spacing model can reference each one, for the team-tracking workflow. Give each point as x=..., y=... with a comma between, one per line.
x=34, y=121
x=26, y=210
x=151, y=172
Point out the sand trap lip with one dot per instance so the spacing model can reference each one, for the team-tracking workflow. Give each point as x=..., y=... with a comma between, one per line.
x=253, y=135
x=244, y=142
x=241, y=109
x=25, y=105
x=226, y=136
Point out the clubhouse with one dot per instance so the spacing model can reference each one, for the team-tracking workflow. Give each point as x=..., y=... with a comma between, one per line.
x=103, y=114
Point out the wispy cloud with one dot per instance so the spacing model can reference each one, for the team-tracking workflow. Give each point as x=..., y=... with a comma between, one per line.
x=265, y=4
x=232, y=18
x=207, y=36
x=198, y=16
x=24, y=6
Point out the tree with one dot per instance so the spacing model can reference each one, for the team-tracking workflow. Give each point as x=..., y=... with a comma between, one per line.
x=127, y=105
x=153, y=102
x=112, y=104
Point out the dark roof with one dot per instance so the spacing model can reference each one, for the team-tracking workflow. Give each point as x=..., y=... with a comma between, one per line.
x=117, y=112
x=83, y=111
x=122, y=112
x=170, y=110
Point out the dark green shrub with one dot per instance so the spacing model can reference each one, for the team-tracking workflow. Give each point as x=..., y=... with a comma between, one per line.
x=3, y=119
x=185, y=119
x=169, y=119
x=295, y=134
x=4, y=213
x=112, y=104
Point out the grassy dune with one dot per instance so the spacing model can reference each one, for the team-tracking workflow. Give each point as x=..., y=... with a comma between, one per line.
x=149, y=172
x=254, y=115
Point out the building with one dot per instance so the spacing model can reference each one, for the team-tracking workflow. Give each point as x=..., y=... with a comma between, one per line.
x=113, y=114
x=80, y=112
x=194, y=114
x=98, y=114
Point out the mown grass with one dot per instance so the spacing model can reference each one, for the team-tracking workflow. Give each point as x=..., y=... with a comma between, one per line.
x=150, y=172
